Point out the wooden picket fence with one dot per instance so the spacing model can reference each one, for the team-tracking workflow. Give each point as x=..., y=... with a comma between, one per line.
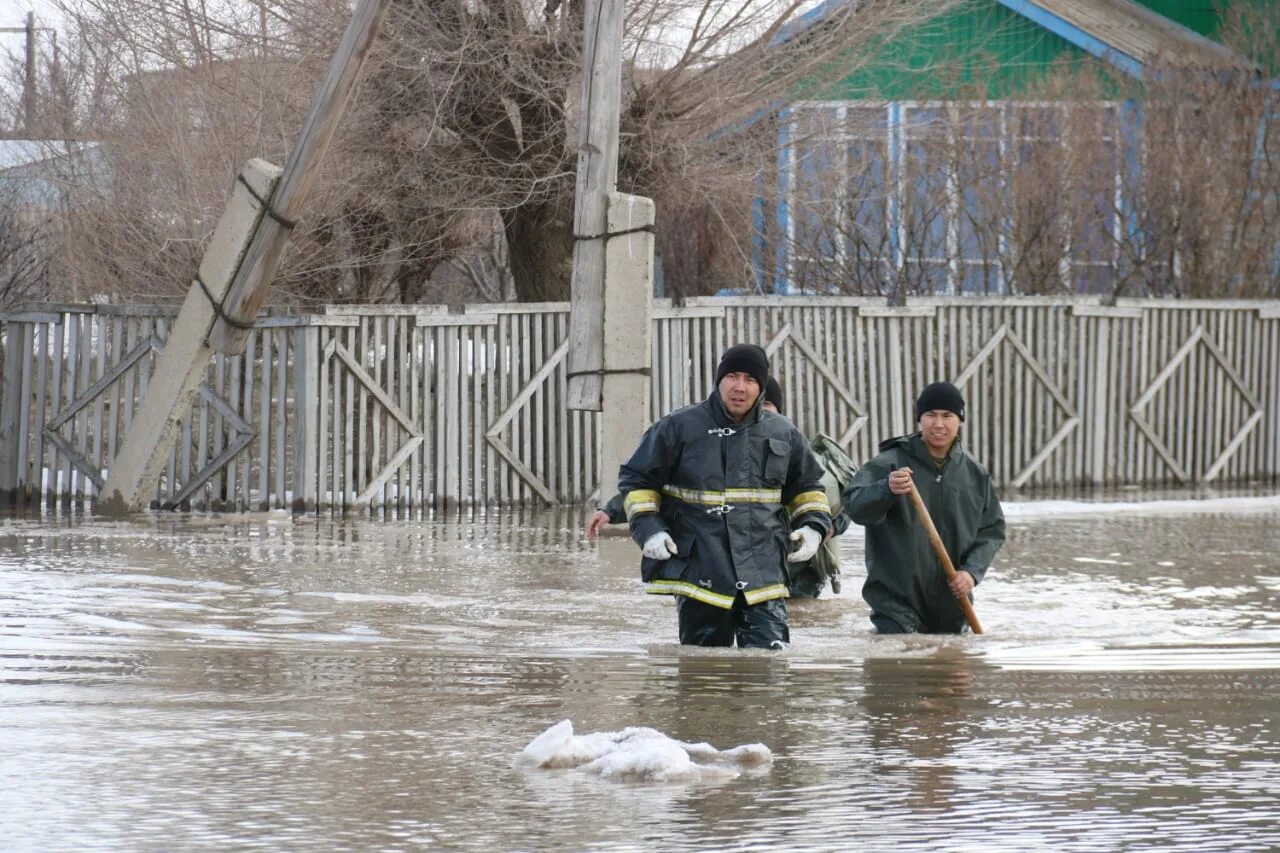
x=381, y=407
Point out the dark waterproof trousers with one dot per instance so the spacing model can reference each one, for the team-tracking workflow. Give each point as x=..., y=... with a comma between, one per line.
x=885, y=625
x=754, y=626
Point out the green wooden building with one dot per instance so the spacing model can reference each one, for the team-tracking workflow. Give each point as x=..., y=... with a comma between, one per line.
x=1002, y=147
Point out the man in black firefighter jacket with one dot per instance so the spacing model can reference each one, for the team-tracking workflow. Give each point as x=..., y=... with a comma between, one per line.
x=715, y=495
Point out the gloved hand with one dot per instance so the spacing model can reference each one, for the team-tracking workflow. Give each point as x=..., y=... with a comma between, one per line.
x=809, y=540
x=659, y=546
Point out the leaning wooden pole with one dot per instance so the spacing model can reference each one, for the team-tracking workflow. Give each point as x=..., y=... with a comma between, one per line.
x=943, y=557
x=230, y=332
x=234, y=275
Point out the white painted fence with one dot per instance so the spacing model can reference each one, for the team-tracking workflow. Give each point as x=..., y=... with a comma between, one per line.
x=392, y=407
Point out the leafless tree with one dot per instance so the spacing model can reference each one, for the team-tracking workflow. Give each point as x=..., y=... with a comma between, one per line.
x=26, y=234
x=466, y=118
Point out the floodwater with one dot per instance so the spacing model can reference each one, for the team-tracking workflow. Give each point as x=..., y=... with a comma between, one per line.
x=270, y=683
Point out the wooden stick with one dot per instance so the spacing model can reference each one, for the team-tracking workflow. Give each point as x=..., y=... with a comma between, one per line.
x=941, y=550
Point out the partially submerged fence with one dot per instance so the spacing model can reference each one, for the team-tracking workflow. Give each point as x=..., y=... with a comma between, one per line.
x=365, y=406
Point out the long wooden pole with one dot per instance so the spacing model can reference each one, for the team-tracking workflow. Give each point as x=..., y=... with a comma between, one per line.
x=941, y=550
x=249, y=288
x=597, y=177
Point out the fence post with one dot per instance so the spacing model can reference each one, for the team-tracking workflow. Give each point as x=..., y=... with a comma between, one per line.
x=306, y=389
x=1101, y=393
x=8, y=416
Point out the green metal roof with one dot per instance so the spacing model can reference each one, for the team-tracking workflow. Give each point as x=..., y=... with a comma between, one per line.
x=1005, y=48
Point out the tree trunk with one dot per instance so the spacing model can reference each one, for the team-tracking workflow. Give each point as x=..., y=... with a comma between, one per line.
x=540, y=247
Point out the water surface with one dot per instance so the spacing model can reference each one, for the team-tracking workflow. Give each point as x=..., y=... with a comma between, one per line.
x=265, y=682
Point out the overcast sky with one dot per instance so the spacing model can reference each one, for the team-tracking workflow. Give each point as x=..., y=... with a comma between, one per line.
x=13, y=13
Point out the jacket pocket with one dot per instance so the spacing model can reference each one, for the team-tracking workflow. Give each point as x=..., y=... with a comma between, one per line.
x=777, y=459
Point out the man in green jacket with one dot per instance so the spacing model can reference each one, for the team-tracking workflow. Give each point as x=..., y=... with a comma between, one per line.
x=718, y=495
x=906, y=586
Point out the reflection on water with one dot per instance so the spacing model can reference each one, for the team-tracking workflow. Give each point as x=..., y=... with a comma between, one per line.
x=268, y=683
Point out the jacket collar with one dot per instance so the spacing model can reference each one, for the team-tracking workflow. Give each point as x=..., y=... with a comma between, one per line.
x=914, y=444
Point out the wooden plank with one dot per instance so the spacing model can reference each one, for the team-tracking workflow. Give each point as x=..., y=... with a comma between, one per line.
x=1107, y=311
x=233, y=393
x=200, y=478
x=393, y=492
x=349, y=483
x=437, y=320
x=452, y=441
x=70, y=363
x=84, y=424
x=439, y=398
x=393, y=465
x=281, y=415
x=218, y=440
x=376, y=417
x=559, y=415
x=324, y=421
x=100, y=455
x=539, y=424
x=26, y=335
x=307, y=416
x=43, y=357
x=417, y=462
x=899, y=311
x=75, y=460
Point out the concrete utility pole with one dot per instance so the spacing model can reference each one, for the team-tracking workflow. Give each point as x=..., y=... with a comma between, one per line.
x=236, y=272
x=181, y=367
x=608, y=361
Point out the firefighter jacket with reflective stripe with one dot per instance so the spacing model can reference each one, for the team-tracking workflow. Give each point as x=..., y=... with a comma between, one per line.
x=905, y=581
x=729, y=494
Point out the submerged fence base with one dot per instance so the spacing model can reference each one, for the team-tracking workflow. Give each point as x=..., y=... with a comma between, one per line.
x=419, y=407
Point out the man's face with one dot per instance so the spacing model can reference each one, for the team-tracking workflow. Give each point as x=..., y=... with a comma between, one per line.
x=939, y=429
x=739, y=392
x=769, y=407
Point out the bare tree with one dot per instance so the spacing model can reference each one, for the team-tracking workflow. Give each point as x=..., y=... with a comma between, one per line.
x=466, y=118
x=26, y=235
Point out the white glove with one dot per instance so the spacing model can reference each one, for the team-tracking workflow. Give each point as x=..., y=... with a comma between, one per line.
x=809, y=540
x=659, y=546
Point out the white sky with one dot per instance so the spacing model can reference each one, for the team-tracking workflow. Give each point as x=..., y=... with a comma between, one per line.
x=13, y=13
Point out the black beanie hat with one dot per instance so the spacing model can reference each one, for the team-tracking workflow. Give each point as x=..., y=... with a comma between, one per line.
x=940, y=396
x=773, y=394
x=745, y=358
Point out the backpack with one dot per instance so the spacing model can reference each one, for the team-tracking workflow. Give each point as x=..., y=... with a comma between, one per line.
x=838, y=470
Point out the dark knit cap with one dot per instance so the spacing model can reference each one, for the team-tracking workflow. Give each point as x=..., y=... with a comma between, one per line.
x=940, y=396
x=744, y=358
x=773, y=394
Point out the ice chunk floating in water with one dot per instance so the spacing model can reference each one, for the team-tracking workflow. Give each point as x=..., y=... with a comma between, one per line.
x=638, y=754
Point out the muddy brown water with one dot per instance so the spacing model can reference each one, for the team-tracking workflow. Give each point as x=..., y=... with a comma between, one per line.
x=272, y=683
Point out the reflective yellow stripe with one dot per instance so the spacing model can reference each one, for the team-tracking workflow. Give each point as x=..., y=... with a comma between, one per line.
x=766, y=593
x=728, y=496
x=641, y=500
x=690, y=590
x=808, y=502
